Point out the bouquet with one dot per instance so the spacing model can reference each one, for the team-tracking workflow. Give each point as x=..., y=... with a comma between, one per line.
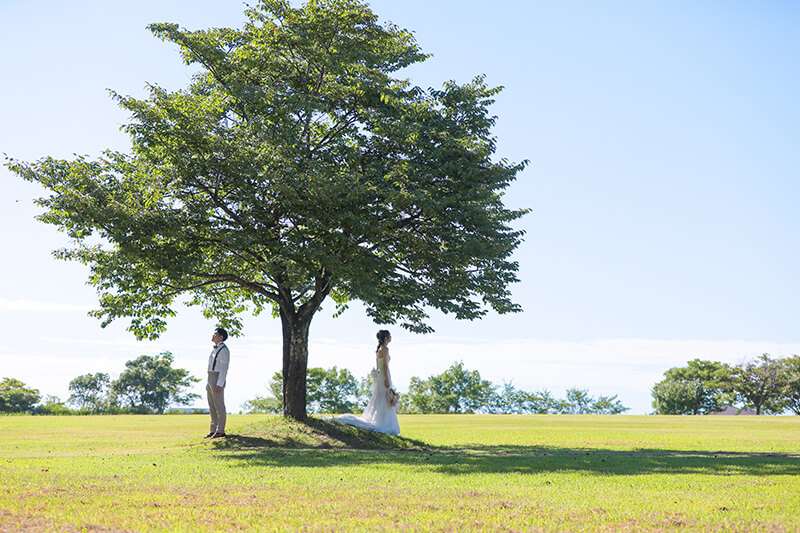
x=393, y=397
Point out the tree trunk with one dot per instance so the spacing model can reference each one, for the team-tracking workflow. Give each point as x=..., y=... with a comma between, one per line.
x=295, y=365
x=295, y=324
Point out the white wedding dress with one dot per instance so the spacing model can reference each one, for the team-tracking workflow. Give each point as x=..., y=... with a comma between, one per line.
x=378, y=415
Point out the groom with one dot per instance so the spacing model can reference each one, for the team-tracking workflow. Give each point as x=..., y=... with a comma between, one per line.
x=215, y=389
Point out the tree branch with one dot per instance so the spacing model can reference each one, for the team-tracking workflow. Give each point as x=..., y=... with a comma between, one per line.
x=322, y=287
x=222, y=278
x=335, y=129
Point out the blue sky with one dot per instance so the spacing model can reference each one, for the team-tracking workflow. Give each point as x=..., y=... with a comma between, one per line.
x=663, y=181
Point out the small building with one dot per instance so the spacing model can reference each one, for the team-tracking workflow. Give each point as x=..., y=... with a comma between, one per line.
x=731, y=410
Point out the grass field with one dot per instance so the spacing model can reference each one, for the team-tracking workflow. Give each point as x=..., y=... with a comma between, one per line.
x=446, y=473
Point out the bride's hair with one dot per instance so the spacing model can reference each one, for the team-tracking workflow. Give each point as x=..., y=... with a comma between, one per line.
x=382, y=335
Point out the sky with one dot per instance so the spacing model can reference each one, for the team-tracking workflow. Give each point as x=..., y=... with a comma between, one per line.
x=664, y=184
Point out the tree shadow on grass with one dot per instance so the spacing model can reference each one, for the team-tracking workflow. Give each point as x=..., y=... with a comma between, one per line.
x=314, y=433
x=320, y=444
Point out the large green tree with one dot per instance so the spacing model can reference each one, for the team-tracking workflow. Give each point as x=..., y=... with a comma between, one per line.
x=456, y=390
x=791, y=366
x=678, y=397
x=699, y=387
x=334, y=390
x=331, y=390
x=150, y=383
x=16, y=397
x=761, y=384
x=88, y=391
x=293, y=168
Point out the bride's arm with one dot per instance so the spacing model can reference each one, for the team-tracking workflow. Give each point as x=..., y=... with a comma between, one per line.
x=385, y=369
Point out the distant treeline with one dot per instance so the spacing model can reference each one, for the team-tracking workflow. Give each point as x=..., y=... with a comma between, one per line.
x=767, y=385
x=149, y=384
x=456, y=390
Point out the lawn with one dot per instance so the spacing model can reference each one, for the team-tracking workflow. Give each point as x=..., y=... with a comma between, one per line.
x=445, y=473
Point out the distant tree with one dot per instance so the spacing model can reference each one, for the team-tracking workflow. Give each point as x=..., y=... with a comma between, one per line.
x=511, y=400
x=88, y=391
x=262, y=404
x=421, y=398
x=296, y=166
x=700, y=386
x=578, y=402
x=541, y=403
x=331, y=391
x=608, y=405
x=791, y=366
x=761, y=384
x=677, y=397
x=149, y=383
x=364, y=393
x=461, y=390
x=52, y=405
x=16, y=397
x=272, y=403
x=328, y=391
x=456, y=390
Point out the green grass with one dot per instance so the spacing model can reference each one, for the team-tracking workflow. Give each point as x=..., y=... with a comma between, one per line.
x=445, y=473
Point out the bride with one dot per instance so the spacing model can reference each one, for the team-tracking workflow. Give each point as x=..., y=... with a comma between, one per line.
x=381, y=412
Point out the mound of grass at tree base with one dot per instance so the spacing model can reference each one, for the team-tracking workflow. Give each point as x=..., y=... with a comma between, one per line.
x=280, y=432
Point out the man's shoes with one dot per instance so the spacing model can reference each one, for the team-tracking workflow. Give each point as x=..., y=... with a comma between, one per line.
x=217, y=435
x=210, y=435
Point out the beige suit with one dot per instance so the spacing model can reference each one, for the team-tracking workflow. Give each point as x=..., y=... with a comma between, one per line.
x=218, y=363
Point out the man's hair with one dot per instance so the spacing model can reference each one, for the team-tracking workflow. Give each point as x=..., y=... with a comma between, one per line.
x=222, y=333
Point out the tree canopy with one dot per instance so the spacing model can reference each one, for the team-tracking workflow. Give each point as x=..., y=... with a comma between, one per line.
x=792, y=393
x=88, y=391
x=770, y=386
x=16, y=397
x=699, y=387
x=151, y=384
x=295, y=166
x=761, y=383
x=458, y=390
x=331, y=390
